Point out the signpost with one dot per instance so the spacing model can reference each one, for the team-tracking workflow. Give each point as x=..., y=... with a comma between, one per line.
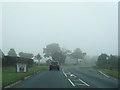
x=21, y=67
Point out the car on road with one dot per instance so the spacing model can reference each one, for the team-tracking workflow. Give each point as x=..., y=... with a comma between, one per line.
x=54, y=65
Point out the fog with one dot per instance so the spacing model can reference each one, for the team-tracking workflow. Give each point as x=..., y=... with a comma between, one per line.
x=29, y=27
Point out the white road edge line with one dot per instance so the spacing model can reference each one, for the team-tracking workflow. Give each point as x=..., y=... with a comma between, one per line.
x=84, y=82
x=64, y=73
x=71, y=82
x=103, y=74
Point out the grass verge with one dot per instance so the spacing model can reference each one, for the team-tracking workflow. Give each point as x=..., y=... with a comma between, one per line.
x=113, y=73
x=9, y=74
x=87, y=67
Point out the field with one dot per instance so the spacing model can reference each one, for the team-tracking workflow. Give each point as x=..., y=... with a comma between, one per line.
x=9, y=74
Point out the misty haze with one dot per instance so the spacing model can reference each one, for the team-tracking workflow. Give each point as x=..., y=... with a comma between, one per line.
x=59, y=45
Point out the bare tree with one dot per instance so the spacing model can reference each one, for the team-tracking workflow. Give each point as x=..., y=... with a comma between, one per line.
x=38, y=57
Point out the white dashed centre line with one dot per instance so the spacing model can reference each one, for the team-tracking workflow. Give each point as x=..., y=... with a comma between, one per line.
x=64, y=73
x=72, y=75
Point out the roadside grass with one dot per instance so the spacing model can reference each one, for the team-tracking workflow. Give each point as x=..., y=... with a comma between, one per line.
x=87, y=67
x=9, y=74
x=113, y=73
x=66, y=64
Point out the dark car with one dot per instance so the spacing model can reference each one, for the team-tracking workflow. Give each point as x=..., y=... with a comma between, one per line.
x=54, y=65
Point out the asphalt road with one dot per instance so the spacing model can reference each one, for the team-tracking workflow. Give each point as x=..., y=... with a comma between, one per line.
x=69, y=77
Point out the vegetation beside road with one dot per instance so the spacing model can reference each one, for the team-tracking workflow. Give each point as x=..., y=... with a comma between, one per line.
x=9, y=74
x=109, y=64
x=87, y=67
x=114, y=72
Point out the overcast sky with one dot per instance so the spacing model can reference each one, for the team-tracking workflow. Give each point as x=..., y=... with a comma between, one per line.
x=29, y=27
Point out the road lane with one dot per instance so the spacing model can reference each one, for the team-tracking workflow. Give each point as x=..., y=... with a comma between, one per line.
x=69, y=77
x=94, y=78
x=46, y=79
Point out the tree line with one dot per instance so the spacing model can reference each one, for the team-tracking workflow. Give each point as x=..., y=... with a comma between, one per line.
x=108, y=61
x=59, y=54
x=51, y=50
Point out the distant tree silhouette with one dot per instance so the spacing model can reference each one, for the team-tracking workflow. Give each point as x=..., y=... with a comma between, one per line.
x=51, y=49
x=55, y=52
x=12, y=53
x=107, y=62
x=59, y=56
x=78, y=54
x=38, y=57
